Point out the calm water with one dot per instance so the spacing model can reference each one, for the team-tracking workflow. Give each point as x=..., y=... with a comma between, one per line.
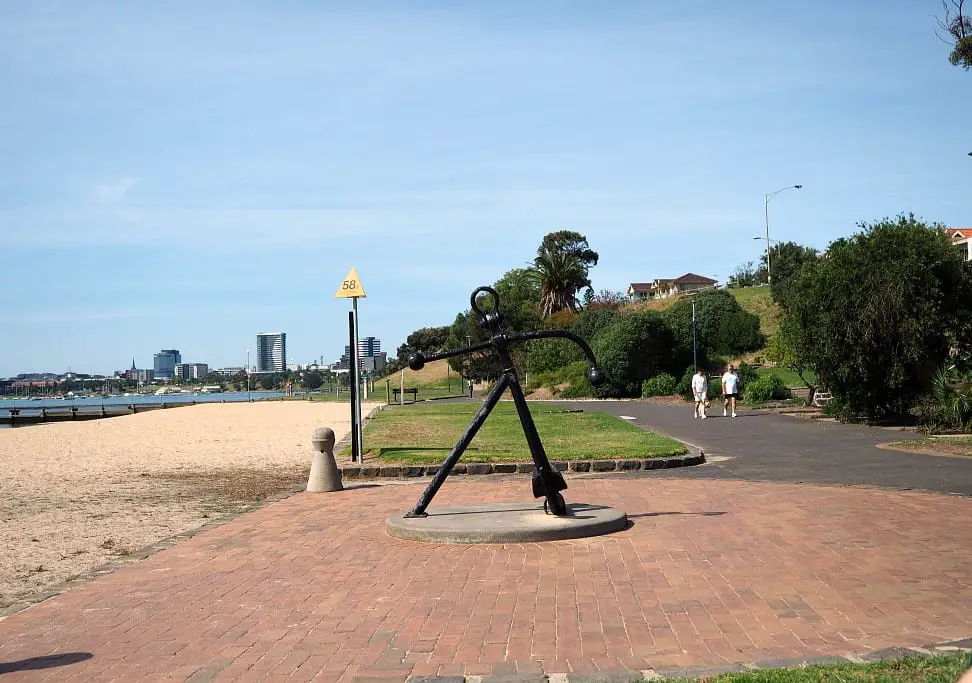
x=28, y=407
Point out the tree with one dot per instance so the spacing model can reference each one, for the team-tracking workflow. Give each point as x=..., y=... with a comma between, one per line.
x=880, y=313
x=747, y=275
x=268, y=381
x=784, y=350
x=637, y=346
x=722, y=326
x=786, y=259
x=519, y=294
x=312, y=380
x=561, y=269
x=958, y=26
x=605, y=299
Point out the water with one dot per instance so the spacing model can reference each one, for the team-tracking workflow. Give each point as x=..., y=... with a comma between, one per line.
x=29, y=407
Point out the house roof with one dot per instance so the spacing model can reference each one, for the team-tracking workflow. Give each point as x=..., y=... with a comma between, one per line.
x=641, y=286
x=692, y=277
x=959, y=233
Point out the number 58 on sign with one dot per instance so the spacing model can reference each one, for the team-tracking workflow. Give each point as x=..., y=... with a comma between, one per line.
x=351, y=288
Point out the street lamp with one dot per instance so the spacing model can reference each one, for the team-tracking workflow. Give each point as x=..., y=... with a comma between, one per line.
x=695, y=359
x=248, y=375
x=766, y=198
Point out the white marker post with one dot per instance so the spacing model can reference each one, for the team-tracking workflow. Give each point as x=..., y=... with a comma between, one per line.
x=352, y=289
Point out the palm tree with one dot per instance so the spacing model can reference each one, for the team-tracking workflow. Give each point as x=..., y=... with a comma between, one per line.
x=560, y=275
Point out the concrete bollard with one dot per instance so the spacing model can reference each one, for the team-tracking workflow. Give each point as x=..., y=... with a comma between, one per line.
x=324, y=472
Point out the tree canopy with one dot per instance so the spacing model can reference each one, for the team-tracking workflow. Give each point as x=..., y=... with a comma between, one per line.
x=957, y=25
x=879, y=314
x=561, y=269
x=722, y=326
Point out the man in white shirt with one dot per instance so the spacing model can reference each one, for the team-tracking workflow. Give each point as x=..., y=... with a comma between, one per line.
x=700, y=391
x=730, y=390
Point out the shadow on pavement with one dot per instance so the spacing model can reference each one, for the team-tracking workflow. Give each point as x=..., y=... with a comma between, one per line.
x=47, y=662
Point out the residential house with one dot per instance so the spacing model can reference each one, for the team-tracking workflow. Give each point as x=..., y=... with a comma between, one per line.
x=663, y=288
x=960, y=238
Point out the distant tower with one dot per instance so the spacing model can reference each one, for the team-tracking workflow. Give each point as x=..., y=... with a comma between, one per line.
x=272, y=352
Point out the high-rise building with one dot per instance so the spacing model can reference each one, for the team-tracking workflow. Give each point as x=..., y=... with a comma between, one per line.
x=165, y=362
x=369, y=346
x=271, y=352
x=191, y=370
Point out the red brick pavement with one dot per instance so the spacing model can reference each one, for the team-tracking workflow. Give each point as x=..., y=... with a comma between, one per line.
x=311, y=588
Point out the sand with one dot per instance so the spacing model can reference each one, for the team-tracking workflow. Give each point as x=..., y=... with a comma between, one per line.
x=75, y=495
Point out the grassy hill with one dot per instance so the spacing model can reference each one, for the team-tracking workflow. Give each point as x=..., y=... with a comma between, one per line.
x=753, y=299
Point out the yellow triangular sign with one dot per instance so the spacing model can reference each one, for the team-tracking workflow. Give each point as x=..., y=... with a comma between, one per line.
x=351, y=288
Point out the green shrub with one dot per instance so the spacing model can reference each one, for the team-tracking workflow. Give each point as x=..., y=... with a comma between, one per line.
x=634, y=348
x=550, y=355
x=659, y=385
x=722, y=326
x=747, y=375
x=575, y=375
x=766, y=388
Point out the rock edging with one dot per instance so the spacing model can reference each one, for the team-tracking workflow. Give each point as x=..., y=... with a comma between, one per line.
x=479, y=468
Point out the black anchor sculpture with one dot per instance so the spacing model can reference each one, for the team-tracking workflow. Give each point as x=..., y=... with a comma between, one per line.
x=547, y=482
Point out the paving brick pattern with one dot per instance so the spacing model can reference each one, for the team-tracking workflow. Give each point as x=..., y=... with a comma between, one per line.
x=710, y=573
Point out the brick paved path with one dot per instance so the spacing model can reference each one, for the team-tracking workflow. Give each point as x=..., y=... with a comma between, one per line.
x=311, y=588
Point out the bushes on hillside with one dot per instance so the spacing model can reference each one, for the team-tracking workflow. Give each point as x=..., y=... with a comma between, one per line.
x=766, y=388
x=722, y=326
x=632, y=349
x=662, y=384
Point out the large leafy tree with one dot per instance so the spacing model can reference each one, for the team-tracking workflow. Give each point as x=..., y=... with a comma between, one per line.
x=786, y=259
x=635, y=347
x=519, y=294
x=880, y=313
x=722, y=326
x=561, y=269
x=957, y=26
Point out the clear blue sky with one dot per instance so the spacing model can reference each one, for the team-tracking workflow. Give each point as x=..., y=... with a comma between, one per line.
x=188, y=174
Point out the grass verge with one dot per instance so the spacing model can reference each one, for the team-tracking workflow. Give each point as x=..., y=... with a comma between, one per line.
x=425, y=434
x=958, y=445
x=938, y=669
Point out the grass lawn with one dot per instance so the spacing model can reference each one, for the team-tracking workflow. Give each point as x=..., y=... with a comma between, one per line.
x=957, y=445
x=424, y=434
x=757, y=300
x=790, y=378
x=940, y=669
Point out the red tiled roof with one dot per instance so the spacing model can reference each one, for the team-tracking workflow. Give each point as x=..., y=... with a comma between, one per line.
x=964, y=233
x=692, y=277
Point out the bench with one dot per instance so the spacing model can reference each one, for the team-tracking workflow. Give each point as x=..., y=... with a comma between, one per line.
x=413, y=392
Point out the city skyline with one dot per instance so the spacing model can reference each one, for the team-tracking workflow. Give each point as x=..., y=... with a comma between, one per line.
x=200, y=193
x=369, y=345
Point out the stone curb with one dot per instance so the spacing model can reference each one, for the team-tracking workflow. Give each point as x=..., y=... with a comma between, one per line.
x=478, y=468
x=621, y=676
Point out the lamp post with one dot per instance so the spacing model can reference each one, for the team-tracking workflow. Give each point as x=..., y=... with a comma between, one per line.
x=695, y=359
x=766, y=198
x=248, y=375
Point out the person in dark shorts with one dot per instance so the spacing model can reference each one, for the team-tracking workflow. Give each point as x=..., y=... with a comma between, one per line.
x=730, y=391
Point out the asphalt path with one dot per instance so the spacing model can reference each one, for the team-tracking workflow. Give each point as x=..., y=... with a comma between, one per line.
x=766, y=446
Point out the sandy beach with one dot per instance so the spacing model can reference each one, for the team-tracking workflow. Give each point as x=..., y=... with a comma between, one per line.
x=74, y=496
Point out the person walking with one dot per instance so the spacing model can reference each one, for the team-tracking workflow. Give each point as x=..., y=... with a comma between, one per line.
x=730, y=391
x=470, y=387
x=700, y=391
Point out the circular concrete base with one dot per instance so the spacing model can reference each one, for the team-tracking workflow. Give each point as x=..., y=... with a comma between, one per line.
x=506, y=523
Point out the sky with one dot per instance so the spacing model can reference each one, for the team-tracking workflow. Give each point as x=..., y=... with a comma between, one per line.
x=186, y=175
